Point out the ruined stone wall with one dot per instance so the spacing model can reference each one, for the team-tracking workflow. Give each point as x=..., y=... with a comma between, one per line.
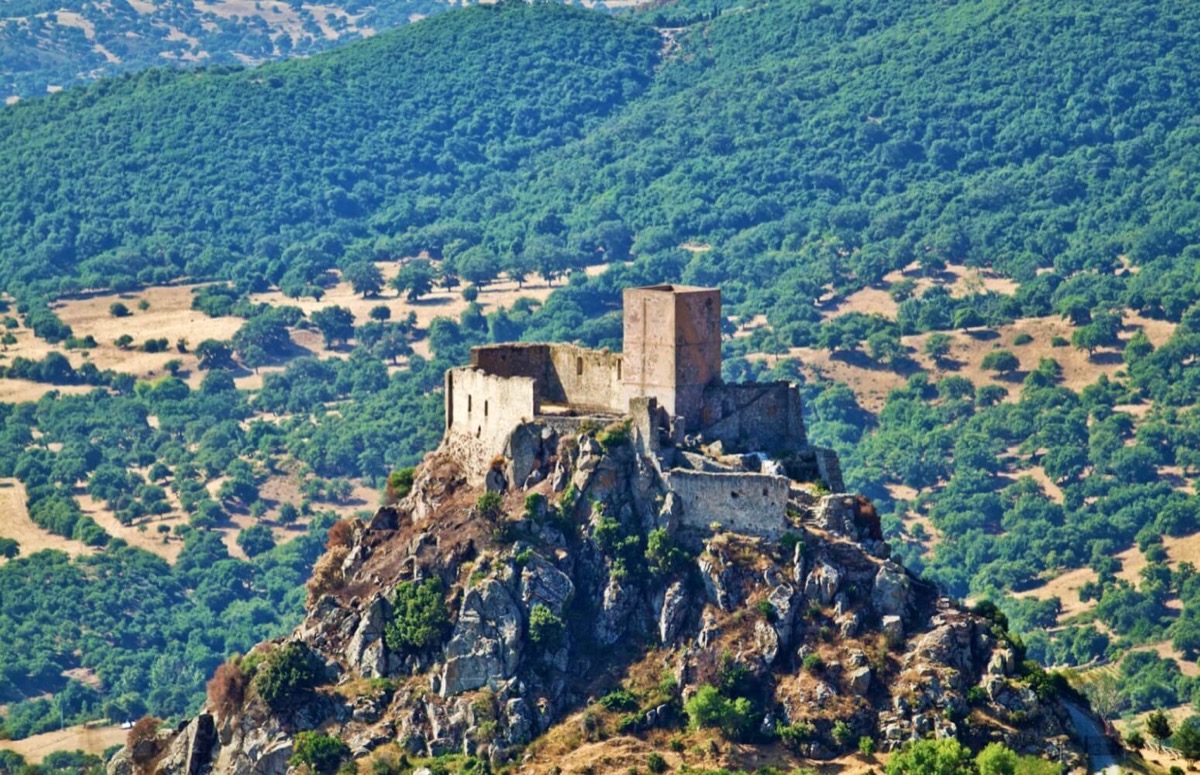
x=753, y=417
x=584, y=378
x=481, y=411
x=753, y=504
x=565, y=374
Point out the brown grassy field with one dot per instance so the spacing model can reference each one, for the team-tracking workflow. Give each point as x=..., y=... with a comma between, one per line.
x=86, y=738
x=15, y=523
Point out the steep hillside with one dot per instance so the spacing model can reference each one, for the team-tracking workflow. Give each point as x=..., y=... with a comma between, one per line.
x=466, y=628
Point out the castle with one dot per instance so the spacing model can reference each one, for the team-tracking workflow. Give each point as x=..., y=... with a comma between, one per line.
x=728, y=449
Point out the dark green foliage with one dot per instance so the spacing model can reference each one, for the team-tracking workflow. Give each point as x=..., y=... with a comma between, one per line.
x=255, y=540
x=656, y=763
x=420, y=616
x=287, y=675
x=349, y=139
x=320, y=753
x=708, y=708
x=545, y=628
x=621, y=700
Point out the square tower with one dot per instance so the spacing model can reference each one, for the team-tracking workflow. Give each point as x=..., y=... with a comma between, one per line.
x=672, y=346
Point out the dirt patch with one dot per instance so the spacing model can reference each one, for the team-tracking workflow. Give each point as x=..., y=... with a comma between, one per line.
x=144, y=534
x=960, y=280
x=1066, y=588
x=87, y=738
x=15, y=523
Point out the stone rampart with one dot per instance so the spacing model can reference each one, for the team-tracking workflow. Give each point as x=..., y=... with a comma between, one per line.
x=748, y=503
x=753, y=417
x=481, y=411
x=567, y=375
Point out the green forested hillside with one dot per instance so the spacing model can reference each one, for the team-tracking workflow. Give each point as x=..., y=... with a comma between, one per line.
x=229, y=171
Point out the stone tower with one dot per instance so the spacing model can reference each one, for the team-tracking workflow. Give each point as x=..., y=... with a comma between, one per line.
x=672, y=347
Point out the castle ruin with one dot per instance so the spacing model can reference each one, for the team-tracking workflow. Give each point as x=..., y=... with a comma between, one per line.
x=730, y=453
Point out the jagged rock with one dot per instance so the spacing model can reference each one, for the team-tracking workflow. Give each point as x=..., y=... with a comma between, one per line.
x=672, y=613
x=714, y=584
x=766, y=642
x=495, y=481
x=890, y=594
x=782, y=600
x=518, y=722
x=486, y=644
x=822, y=583
x=366, y=652
x=542, y=583
x=798, y=563
x=835, y=513
x=893, y=629
x=1001, y=663
x=618, y=603
x=122, y=763
x=849, y=624
x=859, y=680
x=709, y=631
x=386, y=518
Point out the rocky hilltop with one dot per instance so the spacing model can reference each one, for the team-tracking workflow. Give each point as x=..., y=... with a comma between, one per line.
x=577, y=623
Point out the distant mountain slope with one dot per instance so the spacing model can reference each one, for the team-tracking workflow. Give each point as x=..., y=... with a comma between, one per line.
x=166, y=172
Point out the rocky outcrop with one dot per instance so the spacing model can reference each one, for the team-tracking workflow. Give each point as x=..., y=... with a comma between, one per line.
x=555, y=589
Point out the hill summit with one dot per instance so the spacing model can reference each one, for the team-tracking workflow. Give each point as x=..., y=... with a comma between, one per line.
x=561, y=581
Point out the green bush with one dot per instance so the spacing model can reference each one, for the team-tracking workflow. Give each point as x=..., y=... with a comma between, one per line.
x=708, y=709
x=420, y=617
x=656, y=763
x=866, y=745
x=545, y=629
x=813, y=663
x=1022, y=338
x=490, y=506
x=320, y=753
x=287, y=674
x=619, y=701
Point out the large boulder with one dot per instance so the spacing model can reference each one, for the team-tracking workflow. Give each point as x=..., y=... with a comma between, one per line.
x=892, y=590
x=366, y=652
x=485, y=647
x=822, y=583
x=673, y=612
x=542, y=583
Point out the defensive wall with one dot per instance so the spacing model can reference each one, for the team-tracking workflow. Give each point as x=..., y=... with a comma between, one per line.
x=754, y=504
x=564, y=374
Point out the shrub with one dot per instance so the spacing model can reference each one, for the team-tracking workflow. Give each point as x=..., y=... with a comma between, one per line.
x=118, y=310
x=1135, y=741
x=227, y=688
x=490, y=506
x=1022, y=338
x=286, y=675
x=621, y=700
x=976, y=695
x=656, y=763
x=614, y=435
x=545, y=629
x=1059, y=341
x=708, y=709
x=320, y=753
x=813, y=663
x=420, y=617
x=767, y=609
x=795, y=735
x=142, y=740
x=866, y=745
x=399, y=485
x=341, y=533
x=841, y=732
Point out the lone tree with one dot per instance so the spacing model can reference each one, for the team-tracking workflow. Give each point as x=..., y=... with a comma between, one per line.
x=1159, y=726
x=335, y=323
x=414, y=280
x=1001, y=362
x=937, y=347
x=365, y=278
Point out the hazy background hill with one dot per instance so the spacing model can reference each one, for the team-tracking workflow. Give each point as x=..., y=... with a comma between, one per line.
x=46, y=45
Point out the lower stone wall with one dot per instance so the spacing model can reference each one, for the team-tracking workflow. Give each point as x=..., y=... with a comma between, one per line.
x=481, y=412
x=754, y=417
x=753, y=504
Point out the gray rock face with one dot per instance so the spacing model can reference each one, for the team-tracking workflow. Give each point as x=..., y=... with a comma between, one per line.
x=673, y=613
x=615, y=610
x=542, y=583
x=782, y=599
x=859, y=680
x=766, y=642
x=835, y=513
x=486, y=645
x=366, y=652
x=822, y=583
x=893, y=629
x=715, y=585
x=891, y=592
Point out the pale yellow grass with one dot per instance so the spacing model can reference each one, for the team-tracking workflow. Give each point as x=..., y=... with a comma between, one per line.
x=15, y=523
x=144, y=534
x=86, y=738
x=1066, y=588
x=170, y=315
x=961, y=281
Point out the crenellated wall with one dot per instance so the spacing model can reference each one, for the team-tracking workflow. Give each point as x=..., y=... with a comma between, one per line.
x=585, y=379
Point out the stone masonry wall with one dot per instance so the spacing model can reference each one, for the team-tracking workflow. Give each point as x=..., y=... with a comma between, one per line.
x=754, y=417
x=481, y=411
x=565, y=374
x=753, y=504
